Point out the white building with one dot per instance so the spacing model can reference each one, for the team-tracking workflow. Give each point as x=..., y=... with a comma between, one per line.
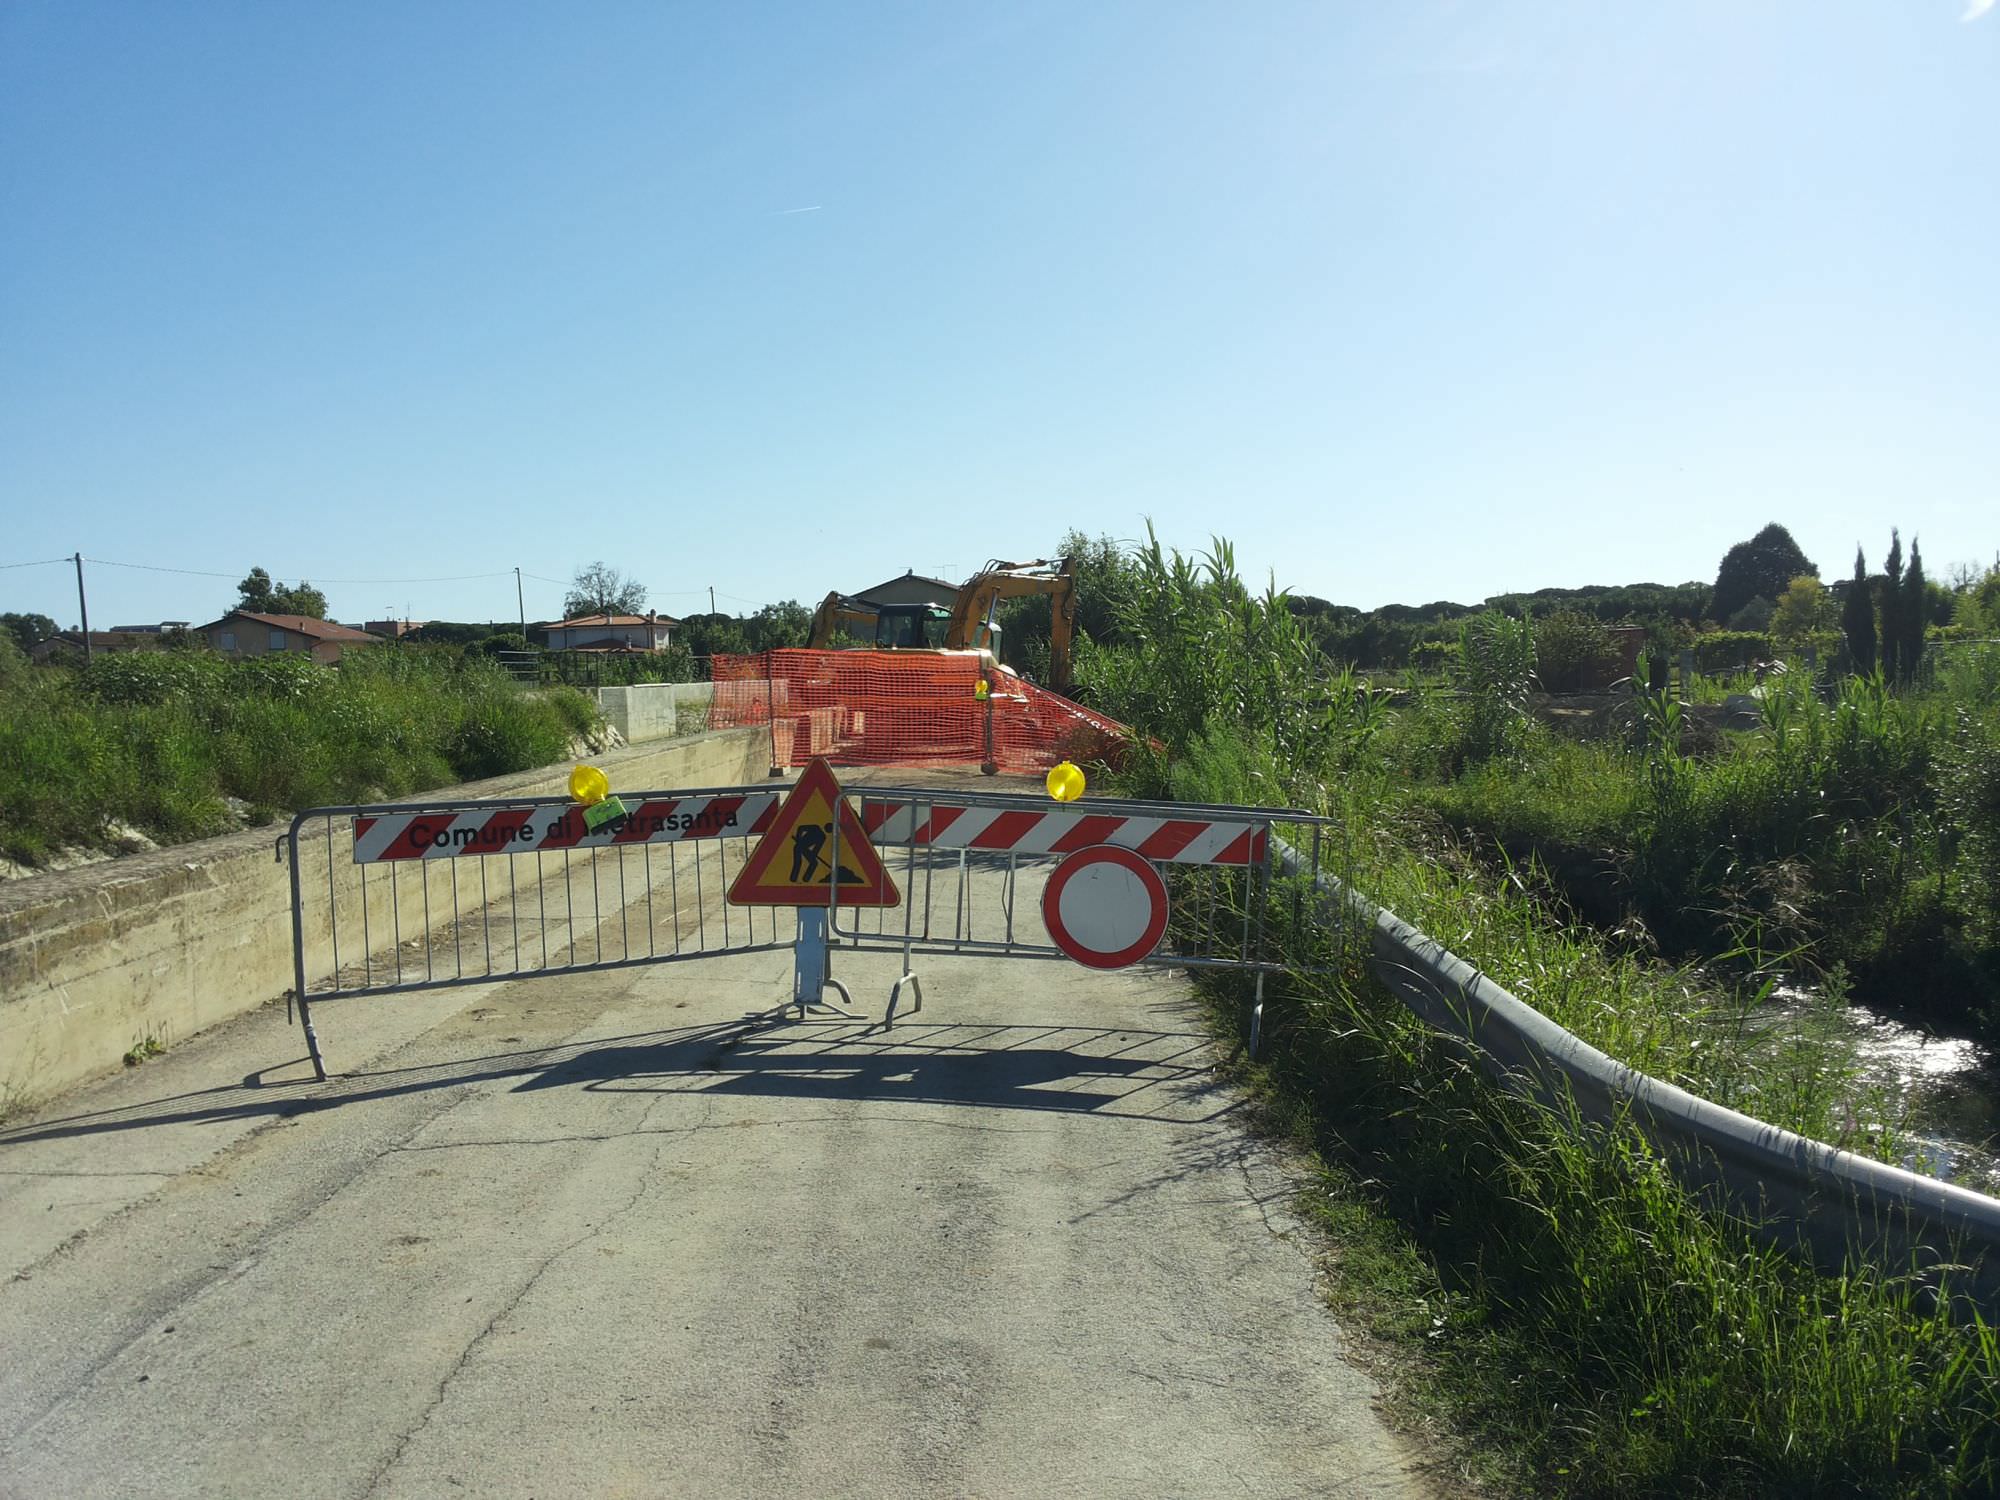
x=648, y=632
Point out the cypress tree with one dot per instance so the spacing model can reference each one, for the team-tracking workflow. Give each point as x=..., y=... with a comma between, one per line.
x=1916, y=603
x=1891, y=612
x=1857, y=619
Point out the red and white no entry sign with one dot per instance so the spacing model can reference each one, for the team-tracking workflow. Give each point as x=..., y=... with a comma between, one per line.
x=1105, y=907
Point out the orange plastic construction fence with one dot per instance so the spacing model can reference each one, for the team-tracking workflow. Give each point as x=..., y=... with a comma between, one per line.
x=903, y=708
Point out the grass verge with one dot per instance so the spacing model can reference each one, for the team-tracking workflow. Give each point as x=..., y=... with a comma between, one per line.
x=1559, y=1301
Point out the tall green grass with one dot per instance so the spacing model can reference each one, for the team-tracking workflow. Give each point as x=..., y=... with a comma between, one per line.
x=1563, y=1296
x=1853, y=829
x=159, y=740
x=1577, y=1308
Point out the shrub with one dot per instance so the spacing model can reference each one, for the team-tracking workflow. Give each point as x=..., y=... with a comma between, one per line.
x=1970, y=803
x=496, y=736
x=1754, y=616
x=1728, y=650
x=15, y=668
x=1573, y=652
x=152, y=676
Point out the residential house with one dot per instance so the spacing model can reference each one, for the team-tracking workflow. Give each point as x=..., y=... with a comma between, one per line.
x=243, y=633
x=609, y=632
x=102, y=642
x=393, y=630
x=911, y=588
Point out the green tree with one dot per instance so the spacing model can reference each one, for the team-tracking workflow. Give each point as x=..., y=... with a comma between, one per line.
x=1801, y=611
x=1103, y=573
x=715, y=635
x=1757, y=614
x=600, y=589
x=450, y=633
x=1889, y=592
x=259, y=594
x=778, y=626
x=28, y=630
x=1978, y=604
x=1914, y=601
x=1761, y=566
x=1857, y=618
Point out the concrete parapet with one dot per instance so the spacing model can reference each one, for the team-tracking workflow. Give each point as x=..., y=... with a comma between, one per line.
x=652, y=710
x=152, y=948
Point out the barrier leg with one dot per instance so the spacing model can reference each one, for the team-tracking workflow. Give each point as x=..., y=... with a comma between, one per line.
x=312, y=1038
x=1257, y=1017
x=896, y=990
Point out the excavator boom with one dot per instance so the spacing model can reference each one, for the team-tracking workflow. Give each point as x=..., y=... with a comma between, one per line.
x=972, y=622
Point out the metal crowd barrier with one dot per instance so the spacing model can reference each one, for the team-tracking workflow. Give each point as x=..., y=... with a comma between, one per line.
x=972, y=866
x=390, y=899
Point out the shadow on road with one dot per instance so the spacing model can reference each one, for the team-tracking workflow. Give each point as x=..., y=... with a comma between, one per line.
x=1153, y=1074
x=1074, y=1069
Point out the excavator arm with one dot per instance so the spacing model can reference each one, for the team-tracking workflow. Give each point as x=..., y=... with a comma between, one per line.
x=837, y=614
x=972, y=618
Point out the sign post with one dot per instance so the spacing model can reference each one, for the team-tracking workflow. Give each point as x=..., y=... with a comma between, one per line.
x=815, y=856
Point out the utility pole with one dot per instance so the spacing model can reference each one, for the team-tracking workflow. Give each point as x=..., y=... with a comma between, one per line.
x=711, y=598
x=522, y=603
x=82, y=607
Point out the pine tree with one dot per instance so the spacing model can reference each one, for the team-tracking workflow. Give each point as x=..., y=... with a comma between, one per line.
x=1758, y=568
x=1857, y=619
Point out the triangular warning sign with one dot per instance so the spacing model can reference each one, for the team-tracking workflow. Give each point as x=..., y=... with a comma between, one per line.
x=793, y=864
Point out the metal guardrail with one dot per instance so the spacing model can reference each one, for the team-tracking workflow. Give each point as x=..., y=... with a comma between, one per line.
x=1831, y=1204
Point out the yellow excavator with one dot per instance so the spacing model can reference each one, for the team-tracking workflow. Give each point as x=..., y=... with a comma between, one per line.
x=970, y=624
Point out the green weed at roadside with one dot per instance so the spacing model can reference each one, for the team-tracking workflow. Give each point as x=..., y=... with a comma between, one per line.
x=160, y=740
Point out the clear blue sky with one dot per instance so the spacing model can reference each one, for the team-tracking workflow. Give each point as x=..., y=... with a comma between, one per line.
x=1412, y=301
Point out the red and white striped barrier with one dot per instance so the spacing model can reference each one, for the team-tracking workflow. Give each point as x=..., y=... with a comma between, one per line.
x=481, y=828
x=1059, y=830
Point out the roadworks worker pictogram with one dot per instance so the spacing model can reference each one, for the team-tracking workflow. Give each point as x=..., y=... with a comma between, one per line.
x=796, y=862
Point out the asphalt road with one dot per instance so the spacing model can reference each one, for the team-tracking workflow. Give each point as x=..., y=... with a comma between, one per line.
x=598, y=1235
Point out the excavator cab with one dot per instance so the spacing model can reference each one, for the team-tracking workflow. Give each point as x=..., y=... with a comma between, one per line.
x=879, y=627
x=910, y=627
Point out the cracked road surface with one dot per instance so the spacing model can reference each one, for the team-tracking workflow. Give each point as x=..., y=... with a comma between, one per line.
x=598, y=1235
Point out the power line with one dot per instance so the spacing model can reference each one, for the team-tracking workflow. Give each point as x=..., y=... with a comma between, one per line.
x=655, y=593
x=105, y=562
x=102, y=562
x=306, y=577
